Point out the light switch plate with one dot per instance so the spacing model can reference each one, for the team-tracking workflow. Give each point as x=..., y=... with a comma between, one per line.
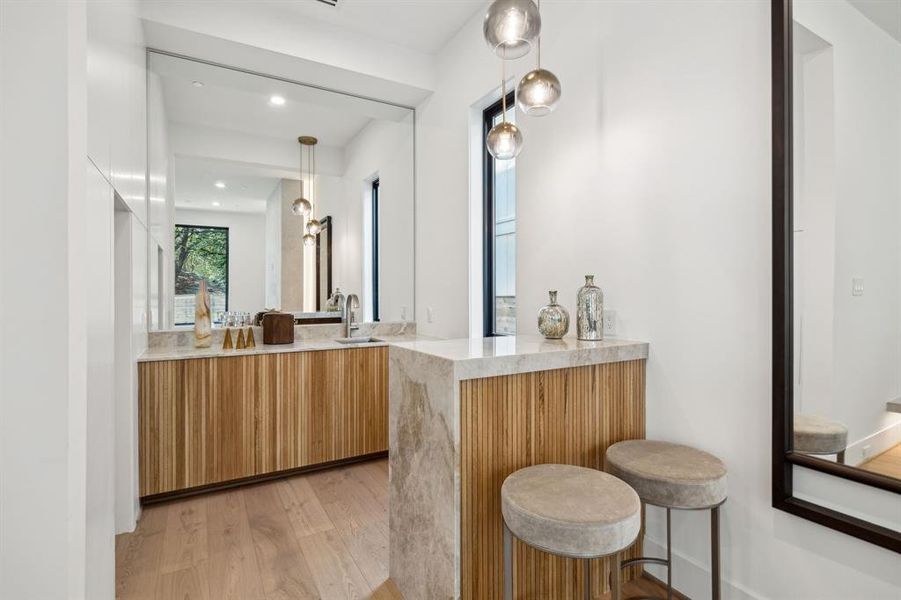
x=857, y=286
x=609, y=322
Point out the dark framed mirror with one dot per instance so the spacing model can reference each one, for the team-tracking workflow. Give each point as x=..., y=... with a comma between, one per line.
x=836, y=153
x=324, y=264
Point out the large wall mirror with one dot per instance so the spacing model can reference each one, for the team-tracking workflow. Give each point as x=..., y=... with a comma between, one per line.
x=230, y=151
x=837, y=264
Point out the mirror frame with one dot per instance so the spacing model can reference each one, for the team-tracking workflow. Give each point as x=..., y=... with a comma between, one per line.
x=784, y=459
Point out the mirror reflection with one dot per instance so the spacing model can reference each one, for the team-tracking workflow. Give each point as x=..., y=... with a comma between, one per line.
x=278, y=195
x=847, y=227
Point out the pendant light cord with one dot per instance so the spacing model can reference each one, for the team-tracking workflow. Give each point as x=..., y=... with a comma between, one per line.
x=538, y=44
x=504, y=86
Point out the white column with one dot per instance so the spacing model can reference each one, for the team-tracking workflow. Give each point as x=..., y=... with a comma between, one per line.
x=43, y=338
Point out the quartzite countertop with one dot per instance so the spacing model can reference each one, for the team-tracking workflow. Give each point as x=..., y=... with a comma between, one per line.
x=465, y=413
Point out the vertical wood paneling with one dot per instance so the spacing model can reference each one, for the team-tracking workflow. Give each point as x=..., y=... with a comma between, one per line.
x=567, y=416
x=205, y=421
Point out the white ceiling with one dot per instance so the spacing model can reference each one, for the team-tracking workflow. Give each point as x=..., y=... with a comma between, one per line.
x=246, y=191
x=421, y=25
x=886, y=14
x=239, y=103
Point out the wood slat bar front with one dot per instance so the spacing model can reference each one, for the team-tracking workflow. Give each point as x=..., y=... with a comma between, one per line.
x=213, y=420
x=567, y=416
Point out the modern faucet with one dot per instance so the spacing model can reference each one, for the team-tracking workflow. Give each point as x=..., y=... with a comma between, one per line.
x=351, y=302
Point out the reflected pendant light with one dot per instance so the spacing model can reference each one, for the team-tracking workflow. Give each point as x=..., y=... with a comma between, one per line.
x=511, y=27
x=309, y=240
x=504, y=140
x=313, y=226
x=301, y=206
x=539, y=90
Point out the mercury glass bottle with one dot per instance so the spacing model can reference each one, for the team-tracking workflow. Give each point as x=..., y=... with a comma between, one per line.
x=553, y=320
x=590, y=311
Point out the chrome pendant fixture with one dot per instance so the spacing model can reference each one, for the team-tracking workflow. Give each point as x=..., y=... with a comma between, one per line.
x=504, y=140
x=313, y=225
x=511, y=27
x=309, y=240
x=539, y=90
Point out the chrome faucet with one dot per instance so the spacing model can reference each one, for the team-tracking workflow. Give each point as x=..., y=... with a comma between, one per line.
x=351, y=302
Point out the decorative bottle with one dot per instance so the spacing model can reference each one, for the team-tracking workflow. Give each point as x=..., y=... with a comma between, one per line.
x=590, y=311
x=203, y=333
x=553, y=320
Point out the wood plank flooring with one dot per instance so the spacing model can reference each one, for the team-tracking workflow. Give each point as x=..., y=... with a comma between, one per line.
x=887, y=463
x=317, y=535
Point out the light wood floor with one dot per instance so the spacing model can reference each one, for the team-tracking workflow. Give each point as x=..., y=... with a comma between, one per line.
x=318, y=535
x=887, y=463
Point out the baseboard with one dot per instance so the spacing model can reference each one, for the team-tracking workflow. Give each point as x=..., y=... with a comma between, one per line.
x=691, y=578
x=878, y=443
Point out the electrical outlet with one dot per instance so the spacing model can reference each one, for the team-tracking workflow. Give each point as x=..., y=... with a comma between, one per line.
x=857, y=286
x=610, y=322
x=865, y=451
x=403, y=313
x=430, y=314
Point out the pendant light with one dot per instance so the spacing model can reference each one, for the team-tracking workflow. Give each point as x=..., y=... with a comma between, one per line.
x=301, y=206
x=313, y=226
x=504, y=140
x=539, y=90
x=511, y=27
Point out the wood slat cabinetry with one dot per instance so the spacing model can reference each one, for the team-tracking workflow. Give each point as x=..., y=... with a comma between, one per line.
x=213, y=420
x=567, y=416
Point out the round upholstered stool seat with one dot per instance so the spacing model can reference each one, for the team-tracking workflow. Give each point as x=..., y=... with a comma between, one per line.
x=669, y=475
x=814, y=434
x=571, y=511
x=673, y=476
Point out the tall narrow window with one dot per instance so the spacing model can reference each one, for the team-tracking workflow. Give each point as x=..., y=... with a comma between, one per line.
x=201, y=252
x=375, y=250
x=499, y=218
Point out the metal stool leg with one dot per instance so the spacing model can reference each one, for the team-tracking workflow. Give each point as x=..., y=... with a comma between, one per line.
x=508, y=563
x=616, y=590
x=715, y=551
x=669, y=557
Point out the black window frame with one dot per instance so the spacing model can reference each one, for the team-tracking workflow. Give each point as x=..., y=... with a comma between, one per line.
x=488, y=287
x=227, y=261
x=375, y=248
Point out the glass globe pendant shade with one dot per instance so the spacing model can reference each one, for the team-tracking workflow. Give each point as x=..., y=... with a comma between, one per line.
x=538, y=93
x=309, y=240
x=504, y=141
x=301, y=207
x=314, y=226
x=511, y=27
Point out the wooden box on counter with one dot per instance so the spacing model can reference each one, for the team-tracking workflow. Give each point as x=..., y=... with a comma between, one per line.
x=278, y=328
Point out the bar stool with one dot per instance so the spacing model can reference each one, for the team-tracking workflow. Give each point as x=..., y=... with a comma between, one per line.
x=673, y=476
x=569, y=511
x=814, y=434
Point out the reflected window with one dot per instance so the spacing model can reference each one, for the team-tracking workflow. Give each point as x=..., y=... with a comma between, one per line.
x=499, y=270
x=201, y=252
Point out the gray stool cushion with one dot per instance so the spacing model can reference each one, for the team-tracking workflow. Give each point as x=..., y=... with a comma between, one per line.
x=670, y=475
x=571, y=511
x=819, y=435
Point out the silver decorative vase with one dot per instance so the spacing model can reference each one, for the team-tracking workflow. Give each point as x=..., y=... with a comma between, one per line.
x=553, y=320
x=590, y=311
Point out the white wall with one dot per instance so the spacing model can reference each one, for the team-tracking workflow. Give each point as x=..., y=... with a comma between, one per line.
x=246, y=254
x=383, y=150
x=654, y=174
x=865, y=188
x=117, y=120
x=43, y=295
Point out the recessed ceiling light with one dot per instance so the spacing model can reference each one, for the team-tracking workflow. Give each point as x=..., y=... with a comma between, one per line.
x=197, y=83
x=216, y=204
x=220, y=185
x=277, y=100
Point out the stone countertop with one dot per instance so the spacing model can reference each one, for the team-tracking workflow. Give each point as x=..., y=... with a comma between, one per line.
x=311, y=345
x=473, y=358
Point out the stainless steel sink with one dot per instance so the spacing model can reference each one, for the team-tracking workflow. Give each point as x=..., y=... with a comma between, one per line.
x=356, y=340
